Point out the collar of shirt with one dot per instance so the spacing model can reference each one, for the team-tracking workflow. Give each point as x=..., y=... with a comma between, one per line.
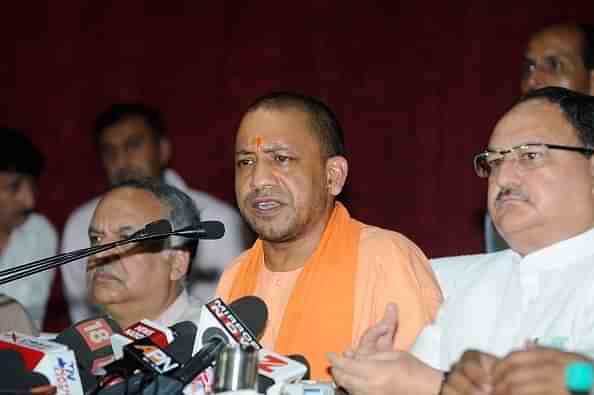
x=567, y=252
x=174, y=312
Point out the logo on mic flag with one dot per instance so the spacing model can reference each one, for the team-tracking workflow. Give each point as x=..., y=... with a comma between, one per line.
x=270, y=362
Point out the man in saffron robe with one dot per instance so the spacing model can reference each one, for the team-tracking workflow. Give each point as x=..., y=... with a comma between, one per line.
x=324, y=276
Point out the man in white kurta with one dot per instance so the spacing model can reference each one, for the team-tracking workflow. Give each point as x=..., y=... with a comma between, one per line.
x=540, y=173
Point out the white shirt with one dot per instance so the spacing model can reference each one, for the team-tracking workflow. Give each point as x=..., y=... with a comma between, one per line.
x=36, y=238
x=212, y=255
x=184, y=308
x=496, y=302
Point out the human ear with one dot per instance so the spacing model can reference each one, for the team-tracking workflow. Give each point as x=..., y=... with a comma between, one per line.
x=164, y=151
x=337, y=169
x=180, y=261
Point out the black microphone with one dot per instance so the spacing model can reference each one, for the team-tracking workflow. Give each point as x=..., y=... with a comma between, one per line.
x=90, y=340
x=243, y=319
x=15, y=376
x=162, y=229
x=156, y=230
x=247, y=313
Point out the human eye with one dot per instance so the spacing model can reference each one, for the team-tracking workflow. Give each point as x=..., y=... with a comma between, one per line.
x=283, y=159
x=94, y=240
x=531, y=153
x=243, y=162
x=134, y=142
x=552, y=64
x=495, y=162
x=528, y=67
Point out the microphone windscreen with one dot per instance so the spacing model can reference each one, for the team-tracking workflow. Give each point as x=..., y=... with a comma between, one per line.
x=212, y=230
x=182, y=345
x=15, y=377
x=12, y=361
x=158, y=227
x=90, y=340
x=252, y=311
x=301, y=359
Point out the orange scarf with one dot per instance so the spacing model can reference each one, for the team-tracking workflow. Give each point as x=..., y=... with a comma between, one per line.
x=319, y=315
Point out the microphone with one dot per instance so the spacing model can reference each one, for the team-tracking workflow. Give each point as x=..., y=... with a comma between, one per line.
x=156, y=230
x=90, y=340
x=16, y=378
x=40, y=357
x=162, y=229
x=274, y=368
x=219, y=324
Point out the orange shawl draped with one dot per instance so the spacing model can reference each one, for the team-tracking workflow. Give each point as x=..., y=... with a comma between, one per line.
x=319, y=315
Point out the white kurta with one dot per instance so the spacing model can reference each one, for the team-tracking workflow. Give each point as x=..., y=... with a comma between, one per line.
x=496, y=302
x=36, y=238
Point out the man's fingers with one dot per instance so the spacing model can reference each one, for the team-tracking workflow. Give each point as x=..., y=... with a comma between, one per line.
x=458, y=383
x=348, y=366
x=347, y=373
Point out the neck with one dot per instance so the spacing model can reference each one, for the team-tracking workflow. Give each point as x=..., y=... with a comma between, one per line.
x=4, y=237
x=293, y=254
x=528, y=243
x=126, y=314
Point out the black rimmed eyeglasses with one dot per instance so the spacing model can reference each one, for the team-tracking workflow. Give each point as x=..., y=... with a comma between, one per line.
x=525, y=156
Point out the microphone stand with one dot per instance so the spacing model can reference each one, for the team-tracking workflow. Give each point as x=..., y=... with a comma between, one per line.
x=28, y=269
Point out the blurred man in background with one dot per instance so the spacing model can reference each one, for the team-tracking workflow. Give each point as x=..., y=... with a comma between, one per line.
x=132, y=144
x=24, y=235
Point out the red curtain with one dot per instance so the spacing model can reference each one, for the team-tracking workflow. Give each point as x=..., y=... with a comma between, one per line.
x=418, y=87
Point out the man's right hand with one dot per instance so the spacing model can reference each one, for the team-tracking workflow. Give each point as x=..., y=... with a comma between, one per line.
x=471, y=375
x=379, y=337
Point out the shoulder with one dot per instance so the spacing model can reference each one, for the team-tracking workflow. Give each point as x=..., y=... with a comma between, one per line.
x=229, y=274
x=380, y=242
x=81, y=216
x=458, y=271
x=210, y=206
x=39, y=223
x=235, y=264
x=39, y=235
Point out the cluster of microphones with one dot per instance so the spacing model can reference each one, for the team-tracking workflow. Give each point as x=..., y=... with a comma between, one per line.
x=96, y=357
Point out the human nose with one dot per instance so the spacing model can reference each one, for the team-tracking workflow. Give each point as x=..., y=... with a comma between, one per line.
x=26, y=195
x=508, y=172
x=537, y=78
x=262, y=175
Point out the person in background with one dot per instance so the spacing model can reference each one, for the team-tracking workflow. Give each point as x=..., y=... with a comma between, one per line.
x=132, y=144
x=25, y=235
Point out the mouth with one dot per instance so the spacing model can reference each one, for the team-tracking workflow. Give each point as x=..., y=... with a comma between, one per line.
x=266, y=206
x=509, y=200
x=103, y=276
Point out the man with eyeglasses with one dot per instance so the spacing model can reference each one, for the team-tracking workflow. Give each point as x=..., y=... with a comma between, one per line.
x=558, y=55
x=532, y=298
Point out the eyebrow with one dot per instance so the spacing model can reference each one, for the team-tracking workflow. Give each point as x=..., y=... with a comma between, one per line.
x=267, y=148
x=121, y=230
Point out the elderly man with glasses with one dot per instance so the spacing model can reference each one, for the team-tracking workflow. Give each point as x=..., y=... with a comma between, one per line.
x=520, y=306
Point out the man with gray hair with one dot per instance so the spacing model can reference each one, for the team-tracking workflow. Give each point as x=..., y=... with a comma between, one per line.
x=142, y=280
